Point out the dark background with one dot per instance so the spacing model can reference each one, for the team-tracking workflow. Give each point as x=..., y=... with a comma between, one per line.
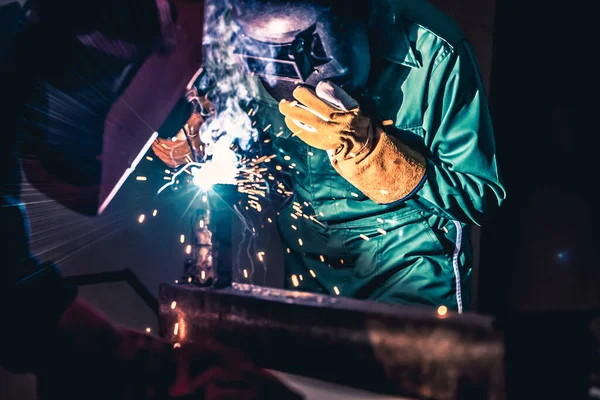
x=538, y=269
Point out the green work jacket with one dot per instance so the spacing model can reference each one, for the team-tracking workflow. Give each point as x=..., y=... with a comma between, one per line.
x=425, y=84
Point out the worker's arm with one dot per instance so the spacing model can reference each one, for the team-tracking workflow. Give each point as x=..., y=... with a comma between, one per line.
x=462, y=181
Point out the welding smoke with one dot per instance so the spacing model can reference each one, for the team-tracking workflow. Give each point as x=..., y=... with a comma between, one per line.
x=226, y=82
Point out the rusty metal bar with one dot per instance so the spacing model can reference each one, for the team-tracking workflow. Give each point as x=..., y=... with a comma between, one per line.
x=373, y=346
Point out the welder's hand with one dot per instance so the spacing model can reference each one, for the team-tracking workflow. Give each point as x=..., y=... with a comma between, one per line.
x=186, y=146
x=177, y=151
x=97, y=360
x=328, y=120
x=377, y=163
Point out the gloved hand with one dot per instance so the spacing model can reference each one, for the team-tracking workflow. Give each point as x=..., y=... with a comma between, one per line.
x=177, y=151
x=95, y=359
x=378, y=164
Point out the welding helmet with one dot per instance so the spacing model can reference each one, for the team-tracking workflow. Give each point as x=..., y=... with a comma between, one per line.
x=98, y=91
x=287, y=43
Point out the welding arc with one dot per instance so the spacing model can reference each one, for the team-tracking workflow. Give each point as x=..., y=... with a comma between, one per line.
x=175, y=175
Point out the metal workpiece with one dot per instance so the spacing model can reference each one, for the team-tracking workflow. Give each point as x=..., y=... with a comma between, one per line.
x=383, y=348
x=210, y=254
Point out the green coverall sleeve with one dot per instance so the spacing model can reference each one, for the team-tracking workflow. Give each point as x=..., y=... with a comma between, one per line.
x=462, y=181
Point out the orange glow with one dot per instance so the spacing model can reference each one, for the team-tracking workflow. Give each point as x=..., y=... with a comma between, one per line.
x=442, y=310
x=295, y=281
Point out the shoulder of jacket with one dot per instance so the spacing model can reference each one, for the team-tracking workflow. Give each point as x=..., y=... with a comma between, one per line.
x=422, y=18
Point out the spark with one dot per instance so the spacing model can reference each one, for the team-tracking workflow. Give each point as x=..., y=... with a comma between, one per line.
x=266, y=128
x=149, y=158
x=382, y=231
x=182, y=239
x=300, y=242
x=203, y=275
x=380, y=220
x=148, y=330
x=177, y=345
x=383, y=191
x=301, y=278
x=313, y=273
x=167, y=171
x=342, y=261
x=176, y=329
x=322, y=258
x=294, y=227
x=287, y=158
x=387, y=122
x=173, y=305
x=141, y=218
x=288, y=250
x=140, y=178
x=442, y=310
x=336, y=290
x=246, y=273
x=188, y=249
x=204, y=198
x=295, y=281
x=312, y=217
x=190, y=279
x=354, y=194
x=364, y=237
x=261, y=256
x=445, y=229
x=154, y=213
x=294, y=216
x=310, y=153
x=270, y=220
x=201, y=223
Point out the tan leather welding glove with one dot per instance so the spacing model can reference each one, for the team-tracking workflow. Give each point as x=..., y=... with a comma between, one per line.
x=176, y=151
x=379, y=165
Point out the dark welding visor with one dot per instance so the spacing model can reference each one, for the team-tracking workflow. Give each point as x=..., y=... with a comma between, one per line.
x=293, y=61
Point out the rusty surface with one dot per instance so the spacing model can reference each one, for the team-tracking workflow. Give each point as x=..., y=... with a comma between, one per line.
x=373, y=346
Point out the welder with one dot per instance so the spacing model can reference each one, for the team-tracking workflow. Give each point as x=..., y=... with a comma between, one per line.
x=386, y=126
x=62, y=66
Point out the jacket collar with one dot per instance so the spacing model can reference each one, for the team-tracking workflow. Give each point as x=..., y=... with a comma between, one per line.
x=389, y=39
